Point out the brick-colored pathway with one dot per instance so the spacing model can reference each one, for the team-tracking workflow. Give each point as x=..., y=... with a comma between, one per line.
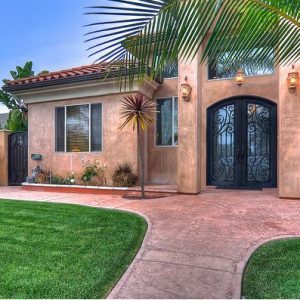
x=196, y=246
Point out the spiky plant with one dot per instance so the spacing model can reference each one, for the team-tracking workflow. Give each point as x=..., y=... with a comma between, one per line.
x=123, y=175
x=137, y=112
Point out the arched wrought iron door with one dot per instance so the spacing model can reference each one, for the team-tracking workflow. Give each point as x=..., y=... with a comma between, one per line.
x=242, y=143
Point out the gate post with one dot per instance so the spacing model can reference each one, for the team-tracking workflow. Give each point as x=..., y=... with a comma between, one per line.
x=4, y=135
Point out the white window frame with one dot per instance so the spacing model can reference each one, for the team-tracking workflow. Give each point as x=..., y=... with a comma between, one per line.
x=90, y=126
x=173, y=117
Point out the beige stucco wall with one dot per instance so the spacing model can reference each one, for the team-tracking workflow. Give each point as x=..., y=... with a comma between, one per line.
x=213, y=91
x=189, y=155
x=184, y=165
x=289, y=141
x=162, y=161
x=191, y=152
x=192, y=173
x=4, y=134
x=118, y=145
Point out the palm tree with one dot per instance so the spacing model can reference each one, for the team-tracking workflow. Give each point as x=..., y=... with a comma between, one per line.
x=138, y=110
x=152, y=33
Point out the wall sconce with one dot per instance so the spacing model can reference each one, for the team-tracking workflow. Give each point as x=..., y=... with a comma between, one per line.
x=293, y=79
x=186, y=91
x=239, y=77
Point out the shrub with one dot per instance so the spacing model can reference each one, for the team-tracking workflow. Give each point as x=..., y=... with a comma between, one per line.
x=70, y=180
x=57, y=180
x=39, y=175
x=93, y=169
x=123, y=176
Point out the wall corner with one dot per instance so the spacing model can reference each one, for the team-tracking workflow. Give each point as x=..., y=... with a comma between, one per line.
x=4, y=135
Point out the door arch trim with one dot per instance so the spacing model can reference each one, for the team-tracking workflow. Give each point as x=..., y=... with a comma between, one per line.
x=224, y=100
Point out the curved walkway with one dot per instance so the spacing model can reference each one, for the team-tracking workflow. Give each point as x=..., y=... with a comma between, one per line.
x=196, y=246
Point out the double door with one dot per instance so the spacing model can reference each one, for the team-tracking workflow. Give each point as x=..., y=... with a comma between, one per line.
x=241, y=145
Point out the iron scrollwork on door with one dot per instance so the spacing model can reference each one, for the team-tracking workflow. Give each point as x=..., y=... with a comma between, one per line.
x=223, y=143
x=258, y=136
x=242, y=143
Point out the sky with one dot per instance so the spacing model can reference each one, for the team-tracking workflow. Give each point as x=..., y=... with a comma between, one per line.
x=47, y=32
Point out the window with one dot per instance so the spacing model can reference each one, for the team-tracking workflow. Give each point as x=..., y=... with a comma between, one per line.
x=167, y=122
x=218, y=70
x=170, y=70
x=60, y=129
x=78, y=128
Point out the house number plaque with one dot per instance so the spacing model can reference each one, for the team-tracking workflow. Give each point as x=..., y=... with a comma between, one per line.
x=36, y=157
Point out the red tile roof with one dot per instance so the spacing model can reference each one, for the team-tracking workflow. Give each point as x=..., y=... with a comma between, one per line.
x=74, y=72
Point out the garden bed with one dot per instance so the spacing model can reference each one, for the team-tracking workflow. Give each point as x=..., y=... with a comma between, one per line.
x=99, y=190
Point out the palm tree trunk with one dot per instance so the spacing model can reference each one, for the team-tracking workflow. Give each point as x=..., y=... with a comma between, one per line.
x=141, y=160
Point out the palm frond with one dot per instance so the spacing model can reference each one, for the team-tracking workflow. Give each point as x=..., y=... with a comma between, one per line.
x=253, y=29
x=146, y=35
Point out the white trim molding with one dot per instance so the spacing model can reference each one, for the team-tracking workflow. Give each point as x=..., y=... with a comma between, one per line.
x=92, y=88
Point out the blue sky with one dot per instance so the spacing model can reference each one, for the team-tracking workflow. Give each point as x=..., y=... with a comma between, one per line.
x=48, y=32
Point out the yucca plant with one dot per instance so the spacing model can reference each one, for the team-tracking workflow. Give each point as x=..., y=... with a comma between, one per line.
x=152, y=33
x=123, y=175
x=137, y=112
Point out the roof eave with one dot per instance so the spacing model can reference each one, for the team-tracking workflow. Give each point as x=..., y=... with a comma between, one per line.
x=60, y=81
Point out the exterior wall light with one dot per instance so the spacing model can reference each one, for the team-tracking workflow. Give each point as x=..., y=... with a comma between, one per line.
x=239, y=77
x=293, y=79
x=186, y=90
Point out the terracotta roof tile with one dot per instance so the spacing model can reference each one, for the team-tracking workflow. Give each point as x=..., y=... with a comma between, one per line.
x=74, y=72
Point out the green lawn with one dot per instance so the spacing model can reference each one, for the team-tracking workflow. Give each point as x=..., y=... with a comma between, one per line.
x=64, y=251
x=274, y=271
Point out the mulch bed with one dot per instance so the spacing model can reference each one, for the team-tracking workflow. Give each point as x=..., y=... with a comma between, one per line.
x=149, y=195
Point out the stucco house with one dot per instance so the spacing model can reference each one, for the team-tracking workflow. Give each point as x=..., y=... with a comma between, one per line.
x=229, y=132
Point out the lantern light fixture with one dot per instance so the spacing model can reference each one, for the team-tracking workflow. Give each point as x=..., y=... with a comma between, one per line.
x=239, y=77
x=186, y=90
x=293, y=78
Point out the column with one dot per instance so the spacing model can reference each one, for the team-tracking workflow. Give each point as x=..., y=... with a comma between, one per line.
x=289, y=137
x=188, y=170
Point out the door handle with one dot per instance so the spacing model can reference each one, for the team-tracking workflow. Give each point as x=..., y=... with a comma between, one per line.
x=240, y=155
x=243, y=154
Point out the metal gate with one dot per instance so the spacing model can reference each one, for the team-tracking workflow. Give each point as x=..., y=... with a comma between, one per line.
x=17, y=158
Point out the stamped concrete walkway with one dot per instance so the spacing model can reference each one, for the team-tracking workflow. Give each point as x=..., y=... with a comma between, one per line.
x=196, y=246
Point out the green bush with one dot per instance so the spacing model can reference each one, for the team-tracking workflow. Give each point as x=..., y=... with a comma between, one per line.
x=91, y=170
x=70, y=179
x=57, y=180
x=123, y=176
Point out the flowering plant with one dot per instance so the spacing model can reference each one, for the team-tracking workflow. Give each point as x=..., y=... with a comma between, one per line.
x=70, y=180
x=93, y=169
